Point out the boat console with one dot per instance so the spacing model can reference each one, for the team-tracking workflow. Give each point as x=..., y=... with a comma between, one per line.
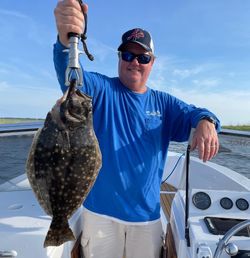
x=212, y=213
x=215, y=223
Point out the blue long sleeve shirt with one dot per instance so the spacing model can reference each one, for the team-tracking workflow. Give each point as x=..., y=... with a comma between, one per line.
x=134, y=131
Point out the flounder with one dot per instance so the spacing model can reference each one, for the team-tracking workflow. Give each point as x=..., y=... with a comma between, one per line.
x=64, y=161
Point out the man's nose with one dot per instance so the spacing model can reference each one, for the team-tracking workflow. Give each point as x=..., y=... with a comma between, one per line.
x=135, y=61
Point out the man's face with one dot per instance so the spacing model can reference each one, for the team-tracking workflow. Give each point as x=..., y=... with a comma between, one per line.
x=133, y=74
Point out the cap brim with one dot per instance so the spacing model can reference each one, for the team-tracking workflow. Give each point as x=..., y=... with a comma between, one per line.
x=121, y=47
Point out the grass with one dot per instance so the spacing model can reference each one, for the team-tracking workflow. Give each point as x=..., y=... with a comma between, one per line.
x=237, y=127
x=15, y=120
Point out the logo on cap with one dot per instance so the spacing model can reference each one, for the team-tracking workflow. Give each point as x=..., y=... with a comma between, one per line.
x=136, y=34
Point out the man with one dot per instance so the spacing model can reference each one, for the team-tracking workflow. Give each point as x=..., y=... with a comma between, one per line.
x=134, y=125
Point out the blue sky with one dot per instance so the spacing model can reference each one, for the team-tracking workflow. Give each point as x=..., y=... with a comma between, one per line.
x=202, y=49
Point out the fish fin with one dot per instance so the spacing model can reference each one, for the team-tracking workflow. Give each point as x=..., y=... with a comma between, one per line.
x=58, y=236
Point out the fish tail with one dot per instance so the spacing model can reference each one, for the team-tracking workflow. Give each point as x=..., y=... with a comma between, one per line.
x=57, y=236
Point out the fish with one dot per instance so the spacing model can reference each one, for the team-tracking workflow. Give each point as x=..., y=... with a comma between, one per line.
x=64, y=161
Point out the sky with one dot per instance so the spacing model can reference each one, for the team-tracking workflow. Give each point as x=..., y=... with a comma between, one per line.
x=202, y=52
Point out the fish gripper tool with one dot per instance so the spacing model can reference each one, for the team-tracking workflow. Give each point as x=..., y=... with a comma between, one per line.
x=73, y=70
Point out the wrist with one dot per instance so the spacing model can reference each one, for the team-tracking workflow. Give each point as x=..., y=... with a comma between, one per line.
x=210, y=119
x=62, y=43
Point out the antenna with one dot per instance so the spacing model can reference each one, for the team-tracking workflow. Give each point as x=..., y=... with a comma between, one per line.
x=187, y=236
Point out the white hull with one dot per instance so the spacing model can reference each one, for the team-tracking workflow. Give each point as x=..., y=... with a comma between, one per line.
x=218, y=182
x=23, y=224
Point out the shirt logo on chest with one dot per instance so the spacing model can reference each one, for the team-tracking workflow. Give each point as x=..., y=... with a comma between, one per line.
x=153, y=113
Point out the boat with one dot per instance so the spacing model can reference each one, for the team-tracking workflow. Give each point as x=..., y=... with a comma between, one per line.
x=214, y=223
x=23, y=223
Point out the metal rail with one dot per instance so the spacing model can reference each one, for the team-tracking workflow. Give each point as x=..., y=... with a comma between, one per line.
x=19, y=128
x=235, y=133
x=26, y=127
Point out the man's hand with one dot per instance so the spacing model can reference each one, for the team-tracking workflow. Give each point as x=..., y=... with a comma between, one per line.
x=206, y=140
x=69, y=18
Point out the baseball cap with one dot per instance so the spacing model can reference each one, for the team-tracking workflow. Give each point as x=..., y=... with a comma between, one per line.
x=139, y=36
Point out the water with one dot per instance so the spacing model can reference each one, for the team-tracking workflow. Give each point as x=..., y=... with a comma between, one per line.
x=13, y=152
x=234, y=154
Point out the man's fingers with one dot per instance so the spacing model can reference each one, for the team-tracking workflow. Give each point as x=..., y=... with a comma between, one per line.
x=210, y=150
x=206, y=140
x=214, y=147
x=69, y=18
x=201, y=149
x=74, y=13
x=85, y=7
x=70, y=3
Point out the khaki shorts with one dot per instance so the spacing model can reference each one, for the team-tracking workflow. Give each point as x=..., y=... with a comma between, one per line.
x=104, y=237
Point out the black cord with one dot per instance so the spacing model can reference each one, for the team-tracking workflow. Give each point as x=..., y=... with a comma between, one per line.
x=173, y=168
x=83, y=36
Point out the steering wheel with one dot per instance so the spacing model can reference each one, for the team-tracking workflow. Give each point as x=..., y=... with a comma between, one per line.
x=223, y=242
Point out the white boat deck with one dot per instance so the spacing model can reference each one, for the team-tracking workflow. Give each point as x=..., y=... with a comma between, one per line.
x=23, y=224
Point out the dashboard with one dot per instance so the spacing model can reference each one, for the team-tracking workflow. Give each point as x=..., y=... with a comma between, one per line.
x=202, y=201
x=221, y=210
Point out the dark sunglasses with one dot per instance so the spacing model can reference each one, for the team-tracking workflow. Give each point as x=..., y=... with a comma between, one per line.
x=141, y=58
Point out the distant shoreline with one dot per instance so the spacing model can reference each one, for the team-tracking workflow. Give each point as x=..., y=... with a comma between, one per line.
x=237, y=127
x=15, y=120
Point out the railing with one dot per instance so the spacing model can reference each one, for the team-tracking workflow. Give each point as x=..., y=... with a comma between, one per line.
x=20, y=127
x=235, y=133
x=34, y=126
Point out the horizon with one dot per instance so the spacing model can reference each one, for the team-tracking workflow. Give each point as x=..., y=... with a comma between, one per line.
x=33, y=118
x=202, y=50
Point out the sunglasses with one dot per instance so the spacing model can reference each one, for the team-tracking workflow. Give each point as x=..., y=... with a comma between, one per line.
x=129, y=57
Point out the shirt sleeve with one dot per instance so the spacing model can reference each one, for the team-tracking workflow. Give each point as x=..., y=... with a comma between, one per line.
x=185, y=116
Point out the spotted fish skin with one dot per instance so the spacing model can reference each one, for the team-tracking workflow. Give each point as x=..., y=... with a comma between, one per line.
x=63, y=162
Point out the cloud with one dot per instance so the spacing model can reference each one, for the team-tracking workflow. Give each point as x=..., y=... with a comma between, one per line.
x=232, y=107
x=27, y=100
x=13, y=14
x=105, y=58
x=207, y=83
x=21, y=27
x=18, y=73
x=4, y=71
x=8, y=68
x=177, y=70
x=162, y=73
x=204, y=86
x=4, y=86
x=100, y=50
x=185, y=73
